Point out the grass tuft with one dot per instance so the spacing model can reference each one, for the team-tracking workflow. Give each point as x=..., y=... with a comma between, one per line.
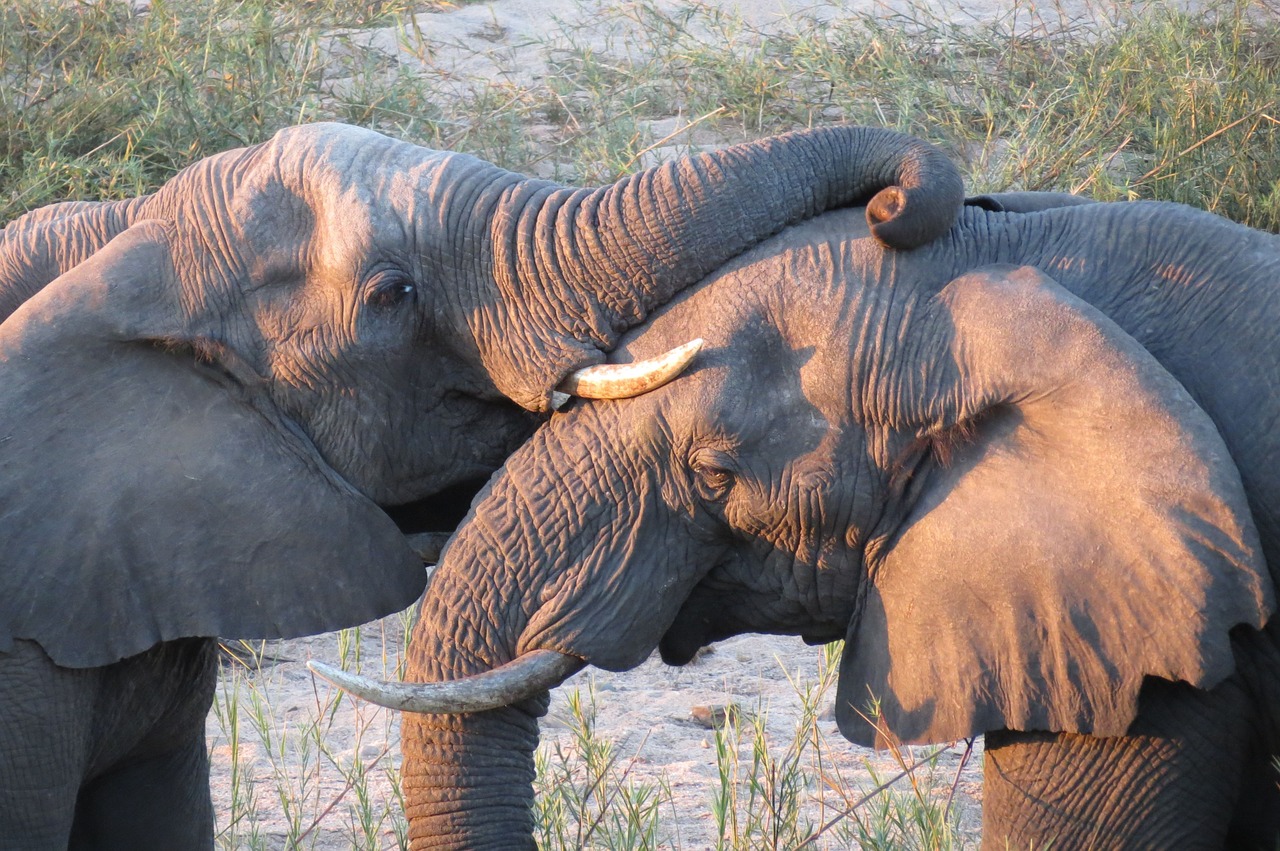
x=774, y=790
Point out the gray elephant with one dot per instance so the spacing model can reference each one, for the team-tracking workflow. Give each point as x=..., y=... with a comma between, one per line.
x=212, y=397
x=1018, y=470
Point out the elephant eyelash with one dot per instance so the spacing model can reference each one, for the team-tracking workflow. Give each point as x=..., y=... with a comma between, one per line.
x=940, y=445
x=205, y=350
x=943, y=444
x=712, y=472
x=716, y=479
x=390, y=291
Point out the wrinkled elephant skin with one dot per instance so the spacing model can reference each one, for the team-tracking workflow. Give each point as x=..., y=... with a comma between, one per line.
x=1027, y=471
x=214, y=398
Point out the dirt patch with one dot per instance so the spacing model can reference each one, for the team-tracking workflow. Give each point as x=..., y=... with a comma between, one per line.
x=310, y=769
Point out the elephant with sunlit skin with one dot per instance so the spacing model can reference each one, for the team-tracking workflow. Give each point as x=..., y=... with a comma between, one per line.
x=211, y=397
x=1028, y=472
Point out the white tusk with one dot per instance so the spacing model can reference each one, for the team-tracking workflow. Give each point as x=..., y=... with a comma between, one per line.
x=524, y=677
x=624, y=380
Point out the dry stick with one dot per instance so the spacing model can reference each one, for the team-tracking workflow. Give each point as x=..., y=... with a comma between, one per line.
x=1094, y=176
x=608, y=800
x=813, y=837
x=674, y=133
x=337, y=800
x=1216, y=133
x=964, y=760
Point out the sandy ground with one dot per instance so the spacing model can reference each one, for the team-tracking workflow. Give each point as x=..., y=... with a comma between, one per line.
x=303, y=763
x=503, y=39
x=332, y=760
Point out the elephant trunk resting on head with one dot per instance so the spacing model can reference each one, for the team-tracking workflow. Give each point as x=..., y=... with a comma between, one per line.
x=1029, y=472
x=209, y=395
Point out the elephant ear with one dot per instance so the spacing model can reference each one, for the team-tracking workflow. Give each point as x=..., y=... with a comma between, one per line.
x=148, y=490
x=1088, y=530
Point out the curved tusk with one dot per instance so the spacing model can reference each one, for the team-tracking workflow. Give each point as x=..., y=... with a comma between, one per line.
x=624, y=380
x=524, y=677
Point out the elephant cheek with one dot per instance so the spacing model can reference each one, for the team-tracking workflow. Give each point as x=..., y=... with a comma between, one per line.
x=616, y=624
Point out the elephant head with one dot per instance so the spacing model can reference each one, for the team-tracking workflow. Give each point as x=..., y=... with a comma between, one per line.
x=1007, y=507
x=210, y=393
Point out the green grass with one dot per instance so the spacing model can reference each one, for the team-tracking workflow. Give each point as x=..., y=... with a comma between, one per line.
x=322, y=772
x=587, y=797
x=314, y=773
x=778, y=785
x=96, y=102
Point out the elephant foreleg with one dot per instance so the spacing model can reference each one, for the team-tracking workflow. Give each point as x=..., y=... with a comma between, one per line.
x=158, y=804
x=148, y=788
x=1174, y=782
x=45, y=747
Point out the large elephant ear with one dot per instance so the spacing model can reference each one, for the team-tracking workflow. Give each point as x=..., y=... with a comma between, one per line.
x=147, y=490
x=1088, y=530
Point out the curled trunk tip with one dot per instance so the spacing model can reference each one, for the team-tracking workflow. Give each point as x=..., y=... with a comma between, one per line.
x=522, y=678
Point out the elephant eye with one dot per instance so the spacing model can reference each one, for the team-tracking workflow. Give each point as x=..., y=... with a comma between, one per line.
x=389, y=290
x=712, y=473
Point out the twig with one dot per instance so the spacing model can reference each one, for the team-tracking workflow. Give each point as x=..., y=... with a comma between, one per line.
x=848, y=811
x=350, y=784
x=1215, y=134
x=674, y=133
x=964, y=760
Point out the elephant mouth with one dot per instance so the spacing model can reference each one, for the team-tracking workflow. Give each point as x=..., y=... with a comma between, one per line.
x=725, y=604
x=429, y=522
x=686, y=636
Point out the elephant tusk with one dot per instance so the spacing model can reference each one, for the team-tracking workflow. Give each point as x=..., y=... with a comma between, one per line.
x=524, y=677
x=624, y=380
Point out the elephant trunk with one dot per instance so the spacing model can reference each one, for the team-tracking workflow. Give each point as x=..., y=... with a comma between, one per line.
x=45, y=243
x=468, y=779
x=540, y=566
x=579, y=267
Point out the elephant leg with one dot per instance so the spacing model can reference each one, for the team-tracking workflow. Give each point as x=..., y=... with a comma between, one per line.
x=1257, y=818
x=1173, y=782
x=44, y=739
x=158, y=804
x=148, y=788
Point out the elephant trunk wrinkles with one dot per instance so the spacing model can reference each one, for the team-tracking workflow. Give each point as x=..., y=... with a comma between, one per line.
x=468, y=781
x=590, y=263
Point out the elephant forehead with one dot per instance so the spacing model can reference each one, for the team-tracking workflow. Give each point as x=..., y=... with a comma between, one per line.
x=346, y=230
x=337, y=151
x=354, y=179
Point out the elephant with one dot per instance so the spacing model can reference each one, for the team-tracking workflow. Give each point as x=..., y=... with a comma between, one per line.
x=1027, y=472
x=222, y=405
